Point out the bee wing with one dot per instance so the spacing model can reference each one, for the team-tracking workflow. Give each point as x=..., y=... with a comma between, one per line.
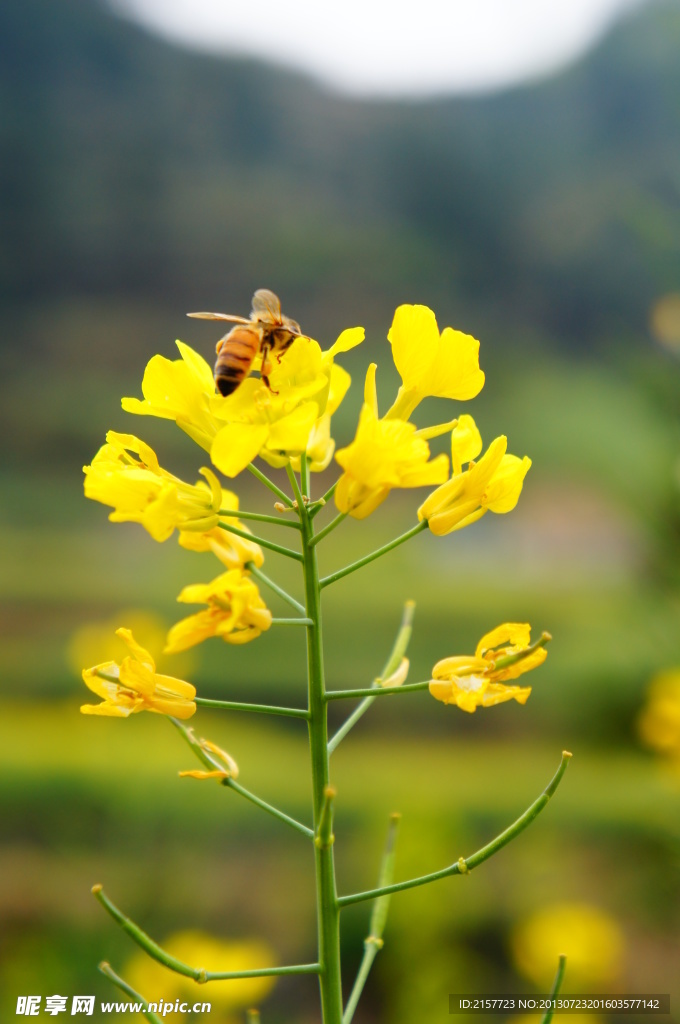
x=220, y=316
x=266, y=306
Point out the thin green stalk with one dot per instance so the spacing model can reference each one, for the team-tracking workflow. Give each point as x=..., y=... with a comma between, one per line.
x=259, y=709
x=373, y=942
x=398, y=651
x=374, y=554
x=296, y=487
x=331, y=526
x=260, y=517
x=107, y=970
x=556, y=986
x=328, y=917
x=263, y=972
x=258, y=574
x=270, y=484
x=377, y=691
x=269, y=808
x=292, y=622
x=305, y=478
x=465, y=864
x=262, y=542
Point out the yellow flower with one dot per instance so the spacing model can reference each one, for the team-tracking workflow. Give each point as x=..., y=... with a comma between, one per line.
x=385, y=453
x=492, y=484
x=291, y=416
x=588, y=936
x=225, y=765
x=659, y=723
x=135, y=686
x=156, y=982
x=141, y=492
x=430, y=364
x=231, y=550
x=235, y=612
x=477, y=681
x=179, y=390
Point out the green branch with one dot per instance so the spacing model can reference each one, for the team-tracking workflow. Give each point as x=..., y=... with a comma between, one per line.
x=556, y=986
x=373, y=942
x=258, y=574
x=398, y=651
x=374, y=554
x=260, y=517
x=258, y=709
x=270, y=484
x=377, y=691
x=108, y=972
x=269, y=808
x=288, y=552
x=263, y=972
x=466, y=864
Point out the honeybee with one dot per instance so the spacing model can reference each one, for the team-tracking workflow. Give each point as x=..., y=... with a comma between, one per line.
x=267, y=331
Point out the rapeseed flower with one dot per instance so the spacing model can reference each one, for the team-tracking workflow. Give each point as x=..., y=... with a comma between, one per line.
x=235, y=612
x=493, y=484
x=384, y=454
x=659, y=722
x=125, y=474
x=472, y=681
x=431, y=364
x=225, y=766
x=588, y=936
x=135, y=686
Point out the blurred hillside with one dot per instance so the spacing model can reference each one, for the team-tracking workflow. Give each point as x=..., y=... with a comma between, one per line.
x=130, y=168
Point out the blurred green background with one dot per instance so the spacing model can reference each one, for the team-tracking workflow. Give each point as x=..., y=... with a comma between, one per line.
x=139, y=181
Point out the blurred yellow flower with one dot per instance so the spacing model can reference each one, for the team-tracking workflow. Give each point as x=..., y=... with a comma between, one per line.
x=291, y=416
x=156, y=982
x=430, y=364
x=665, y=321
x=235, y=612
x=659, y=722
x=492, y=484
x=141, y=492
x=589, y=937
x=135, y=686
x=385, y=453
x=477, y=681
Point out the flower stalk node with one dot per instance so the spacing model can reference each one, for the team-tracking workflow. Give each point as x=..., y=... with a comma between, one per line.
x=462, y=866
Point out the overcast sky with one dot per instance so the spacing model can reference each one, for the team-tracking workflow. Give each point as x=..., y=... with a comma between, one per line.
x=393, y=47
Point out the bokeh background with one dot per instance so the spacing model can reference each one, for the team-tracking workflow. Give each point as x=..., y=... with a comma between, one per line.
x=140, y=180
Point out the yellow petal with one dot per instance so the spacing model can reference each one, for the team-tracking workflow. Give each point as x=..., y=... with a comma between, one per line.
x=518, y=634
x=236, y=445
x=504, y=488
x=370, y=390
x=349, y=338
x=466, y=442
x=414, y=336
x=454, y=371
x=291, y=432
x=137, y=651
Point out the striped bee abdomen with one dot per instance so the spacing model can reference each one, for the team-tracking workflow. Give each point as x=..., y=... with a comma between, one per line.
x=235, y=357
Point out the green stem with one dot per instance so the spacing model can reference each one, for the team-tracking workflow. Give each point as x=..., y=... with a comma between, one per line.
x=466, y=864
x=270, y=484
x=260, y=517
x=291, y=622
x=374, y=554
x=328, y=917
x=331, y=526
x=108, y=972
x=373, y=942
x=377, y=691
x=296, y=487
x=258, y=574
x=263, y=972
x=556, y=986
x=391, y=665
x=305, y=480
x=269, y=808
x=262, y=542
x=259, y=709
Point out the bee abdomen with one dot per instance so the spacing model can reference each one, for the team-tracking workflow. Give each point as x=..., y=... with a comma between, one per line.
x=235, y=358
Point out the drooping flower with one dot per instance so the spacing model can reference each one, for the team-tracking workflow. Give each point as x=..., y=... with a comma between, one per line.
x=431, y=364
x=384, y=454
x=493, y=484
x=135, y=686
x=225, y=766
x=235, y=612
x=290, y=417
x=473, y=681
x=126, y=475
